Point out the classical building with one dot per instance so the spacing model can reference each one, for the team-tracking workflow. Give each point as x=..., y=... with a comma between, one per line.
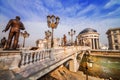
x=89, y=37
x=113, y=35
x=45, y=44
x=41, y=43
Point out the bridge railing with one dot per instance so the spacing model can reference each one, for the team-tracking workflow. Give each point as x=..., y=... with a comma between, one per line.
x=18, y=59
x=28, y=57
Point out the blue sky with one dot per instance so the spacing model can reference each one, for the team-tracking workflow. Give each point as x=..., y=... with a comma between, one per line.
x=74, y=14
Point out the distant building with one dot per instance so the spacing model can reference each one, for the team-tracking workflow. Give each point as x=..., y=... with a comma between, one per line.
x=103, y=47
x=41, y=43
x=45, y=44
x=89, y=37
x=113, y=35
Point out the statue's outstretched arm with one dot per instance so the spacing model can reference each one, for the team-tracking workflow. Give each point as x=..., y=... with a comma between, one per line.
x=8, y=26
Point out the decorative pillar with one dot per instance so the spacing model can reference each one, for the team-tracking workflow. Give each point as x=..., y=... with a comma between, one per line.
x=91, y=43
x=97, y=43
x=113, y=46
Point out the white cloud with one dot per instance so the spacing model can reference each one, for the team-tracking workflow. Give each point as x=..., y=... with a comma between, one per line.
x=3, y=21
x=111, y=3
x=36, y=20
x=115, y=12
x=36, y=29
x=87, y=9
x=54, y=4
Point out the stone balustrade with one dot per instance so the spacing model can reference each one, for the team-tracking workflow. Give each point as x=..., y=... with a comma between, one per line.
x=29, y=57
x=24, y=63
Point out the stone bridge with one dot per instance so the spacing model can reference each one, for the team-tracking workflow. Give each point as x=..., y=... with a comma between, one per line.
x=31, y=65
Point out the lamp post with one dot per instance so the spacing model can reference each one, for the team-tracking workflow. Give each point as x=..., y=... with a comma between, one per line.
x=86, y=67
x=47, y=35
x=52, y=22
x=25, y=34
x=89, y=64
x=71, y=33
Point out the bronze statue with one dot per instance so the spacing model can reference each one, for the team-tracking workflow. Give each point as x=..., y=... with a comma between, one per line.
x=3, y=41
x=15, y=26
x=64, y=39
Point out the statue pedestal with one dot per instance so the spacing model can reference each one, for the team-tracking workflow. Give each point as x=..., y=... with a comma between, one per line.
x=9, y=59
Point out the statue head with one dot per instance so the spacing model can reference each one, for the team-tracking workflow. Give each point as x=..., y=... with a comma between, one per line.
x=4, y=38
x=17, y=17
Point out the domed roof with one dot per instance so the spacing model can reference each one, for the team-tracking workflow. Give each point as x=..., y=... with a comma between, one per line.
x=86, y=30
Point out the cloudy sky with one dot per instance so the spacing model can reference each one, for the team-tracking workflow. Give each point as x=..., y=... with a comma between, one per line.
x=74, y=14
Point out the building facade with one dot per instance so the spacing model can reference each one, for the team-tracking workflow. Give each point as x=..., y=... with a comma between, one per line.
x=113, y=35
x=89, y=37
x=46, y=44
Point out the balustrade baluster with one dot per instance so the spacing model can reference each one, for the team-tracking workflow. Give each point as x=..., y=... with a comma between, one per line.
x=48, y=52
x=40, y=55
x=37, y=56
x=22, y=59
x=34, y=57
x=31, y=57
x=33, y=54
x=45, y=54
x=27, y=58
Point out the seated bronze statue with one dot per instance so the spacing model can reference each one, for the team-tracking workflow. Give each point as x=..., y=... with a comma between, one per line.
x=3, y=41
x=15, y=25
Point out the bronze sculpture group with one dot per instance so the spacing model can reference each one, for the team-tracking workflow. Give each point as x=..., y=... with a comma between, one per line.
x=15, y=25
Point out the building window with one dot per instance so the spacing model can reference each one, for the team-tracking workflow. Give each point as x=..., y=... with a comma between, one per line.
x=116, y=41
x=114, y=32
x=115, y=36
x=116, y=47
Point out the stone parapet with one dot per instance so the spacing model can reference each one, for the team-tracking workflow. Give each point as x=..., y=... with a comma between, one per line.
x=9, y=59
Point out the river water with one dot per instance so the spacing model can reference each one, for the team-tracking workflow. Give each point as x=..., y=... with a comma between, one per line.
x=103, y=67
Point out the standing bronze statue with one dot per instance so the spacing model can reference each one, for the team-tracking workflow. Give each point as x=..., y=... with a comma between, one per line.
x=15, y=25
x=64, y=39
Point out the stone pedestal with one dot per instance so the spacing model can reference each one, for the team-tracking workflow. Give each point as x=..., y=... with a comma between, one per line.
x=9, y=59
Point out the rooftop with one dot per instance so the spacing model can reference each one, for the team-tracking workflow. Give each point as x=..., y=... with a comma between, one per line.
x=87, y=30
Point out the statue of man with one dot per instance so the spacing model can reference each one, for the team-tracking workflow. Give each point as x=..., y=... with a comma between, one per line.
x=15, y=25
x=64, y=39
x=3, y=41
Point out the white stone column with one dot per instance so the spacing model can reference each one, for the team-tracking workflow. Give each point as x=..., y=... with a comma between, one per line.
x=97, y=43
x=112, y=38
x=93, y=43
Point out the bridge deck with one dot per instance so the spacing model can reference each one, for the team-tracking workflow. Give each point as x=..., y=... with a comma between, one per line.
x=32, y=65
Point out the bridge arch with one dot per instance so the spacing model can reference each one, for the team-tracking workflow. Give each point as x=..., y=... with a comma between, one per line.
x=74, y=63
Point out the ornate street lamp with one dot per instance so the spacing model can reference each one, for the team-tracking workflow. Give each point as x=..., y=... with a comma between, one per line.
x=89, y=64
x=25, y=34
x=52, y=22
x=47, y=35
x=71, y=33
